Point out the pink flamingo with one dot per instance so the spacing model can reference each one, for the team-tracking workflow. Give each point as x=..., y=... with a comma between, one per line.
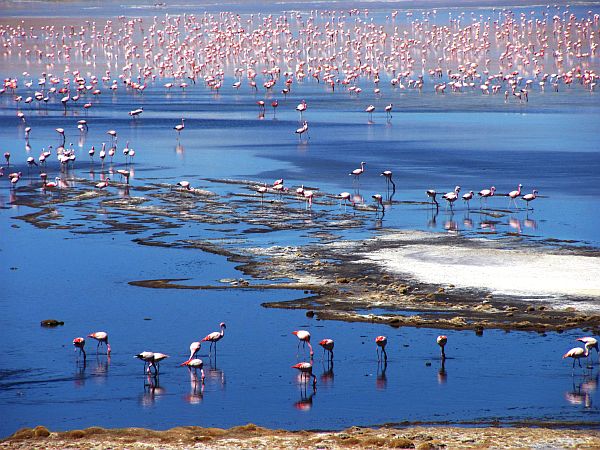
x=195, y=364
x=530, y=197
x=388, y=110
x=303, y=129
x=485, y=193
x=370, y=110
x=358, y=172
x=441, y=341
x=301, y=108
x=591, y=343
x=467, y=198
x=388, y=179
x=103, y=184
x=304, y=337
x=514, y=194
x=451, y=197
x=381, y=342
x=79, y=343
x=179, y=128
x=308, y=195
x=305, y=369
x=148, y=358
x=215, y=337
x=327, y=344
x=102, y=338
x=432, y=195
x=379, y=201
x=577, y=353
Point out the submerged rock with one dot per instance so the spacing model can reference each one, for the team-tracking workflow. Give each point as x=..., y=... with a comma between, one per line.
x=51, y=323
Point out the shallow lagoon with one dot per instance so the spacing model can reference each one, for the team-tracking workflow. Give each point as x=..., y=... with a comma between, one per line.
x=432, y=141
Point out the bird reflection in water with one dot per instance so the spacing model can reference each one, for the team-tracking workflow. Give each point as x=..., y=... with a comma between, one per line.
x=306, y=401
x=530, y=223
x=196, y=389
x=451, y=225
x=179, y=149
x=381, y=380
x=582, y=393
x=442, y=376
x=488, y=225
x=152, y=389
x=327, y=375
x=100, y=369
x=467, y=221
x=79, y=378
x=216, y=375
x=515, y=224
x=432, y=221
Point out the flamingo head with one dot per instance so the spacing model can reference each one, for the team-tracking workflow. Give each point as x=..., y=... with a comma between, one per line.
x=493, y=188
x=222, y=325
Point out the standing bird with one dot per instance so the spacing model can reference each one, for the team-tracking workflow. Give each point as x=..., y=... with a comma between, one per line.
x=370, y=110
x=79, y=343
x=136, y=112
x=303, y=129
x=102, y=338
x=388, y=110
x=591, y=343
x=274, y=105
x=148, y=358
x=441, y=341
x=358, y=172
x=467, y=198
x=530, y=197
x=158, y=357
x=61, y=131
x=577, y=353
x=195, y=364
x=304, y=337
x=485, y=193
x=185, y=184
x=451, y=197
x=302, y=106
x=381, y=342
x=432, y=194
x=345, y=197
x=113, y=135
x=379, y=201
x=327, y=344
x=179, y=128
x=103, y=184
x=514, y=194
x=7, y=158
x=215, y=337
x=388, y=179
x=305, y=369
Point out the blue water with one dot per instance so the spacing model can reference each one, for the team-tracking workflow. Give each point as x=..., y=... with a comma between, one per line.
x=432, y=141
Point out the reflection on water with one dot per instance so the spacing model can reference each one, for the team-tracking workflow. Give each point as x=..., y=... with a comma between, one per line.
x=582, y=392
x=442, y=375
x=381, y=380
x=152, y=389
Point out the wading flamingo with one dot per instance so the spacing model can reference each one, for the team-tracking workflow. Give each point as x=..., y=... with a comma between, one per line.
x=381, y=342
x=441, y=341
x=102, y=338
x=305, y=369
x=215, y=337
x=304, y=337
x=327, y=344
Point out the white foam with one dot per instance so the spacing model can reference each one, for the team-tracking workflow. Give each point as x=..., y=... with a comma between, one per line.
x=526, y=273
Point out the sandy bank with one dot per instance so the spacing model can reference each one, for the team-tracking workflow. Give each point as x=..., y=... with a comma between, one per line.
x=253, y=437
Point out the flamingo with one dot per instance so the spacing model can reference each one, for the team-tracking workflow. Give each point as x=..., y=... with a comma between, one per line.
x=185, y=184
x=432, y=194
x=102, y=153
x=381, y=342
x=302, y=106
x=304, y=337
x=358, y=172
x=308, y=195
x=125, y=173
x=148, y=358
x=262, y=190
x=51, y=184
x=136, y=112
x=113, y=134
x=388, y=110
x=388, y=179
x=514, y=194
x=215, y=337
x=485, y=193
x=194, y=348
x=467, y=197
x=103, y=184
x=158, y=357
x=327, y=344
x=370, y=110
x=530, y=197
x=577, y=353
x=61, y=131
x=195, y=364
x=441, y=341
x=274, y=105
x=591, y=343
x=303, y=129
x=345, y=197
x=179, y=128
x=79, y=343
x=305, y=369
x=102, y=338
x=451, y=197
x=7, y=158
x=379, y=201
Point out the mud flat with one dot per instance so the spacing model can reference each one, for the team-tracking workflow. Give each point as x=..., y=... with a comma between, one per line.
x=253, y=437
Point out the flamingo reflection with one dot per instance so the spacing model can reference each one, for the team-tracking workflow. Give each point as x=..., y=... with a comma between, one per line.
x=327, y=375
x=306, y=401
x=442, y=376
x=152, y=389
x=381, y=380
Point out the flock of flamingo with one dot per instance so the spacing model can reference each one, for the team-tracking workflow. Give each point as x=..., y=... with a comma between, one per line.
x=152, y=359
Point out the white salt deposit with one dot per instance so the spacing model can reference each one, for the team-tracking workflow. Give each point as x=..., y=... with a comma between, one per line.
x=526, y=273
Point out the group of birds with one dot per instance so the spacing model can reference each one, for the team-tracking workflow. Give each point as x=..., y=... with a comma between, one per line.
x=484, y=194
x=577, y=353
x=152, y=359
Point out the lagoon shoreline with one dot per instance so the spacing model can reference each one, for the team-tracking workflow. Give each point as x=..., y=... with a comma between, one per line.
x=253, y=437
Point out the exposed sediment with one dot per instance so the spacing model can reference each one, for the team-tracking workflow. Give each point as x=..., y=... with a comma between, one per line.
x=254, y=437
